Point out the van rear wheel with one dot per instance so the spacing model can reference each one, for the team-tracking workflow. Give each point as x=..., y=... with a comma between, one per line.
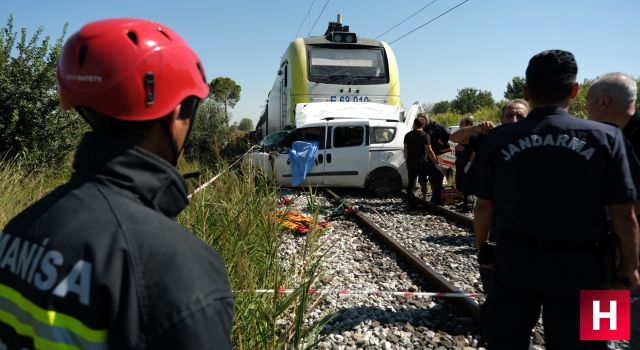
x=384, y=182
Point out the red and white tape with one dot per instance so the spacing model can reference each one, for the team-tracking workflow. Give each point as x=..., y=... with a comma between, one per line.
x=341, y=292
x=349, y=292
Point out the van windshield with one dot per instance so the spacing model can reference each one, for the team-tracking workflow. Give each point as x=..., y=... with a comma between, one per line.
x=347, y=66
x=273, y=139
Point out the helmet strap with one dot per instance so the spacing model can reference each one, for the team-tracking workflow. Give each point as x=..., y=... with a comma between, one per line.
x=172, y=143
x=185, y=113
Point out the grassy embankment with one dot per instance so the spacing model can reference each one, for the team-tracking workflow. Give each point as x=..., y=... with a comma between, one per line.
x=234, y=215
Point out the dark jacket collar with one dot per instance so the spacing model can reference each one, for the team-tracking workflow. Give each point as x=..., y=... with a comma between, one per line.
x=546, y=111
x=156, y=183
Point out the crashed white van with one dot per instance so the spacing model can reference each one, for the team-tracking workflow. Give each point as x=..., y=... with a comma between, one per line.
x=360, y=145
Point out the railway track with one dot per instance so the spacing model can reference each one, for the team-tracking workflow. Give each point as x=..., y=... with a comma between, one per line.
x=380, y=248
x=467, y=305
x=361, y=261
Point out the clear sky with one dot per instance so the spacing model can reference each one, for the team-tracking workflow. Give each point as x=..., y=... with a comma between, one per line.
x=481, y=44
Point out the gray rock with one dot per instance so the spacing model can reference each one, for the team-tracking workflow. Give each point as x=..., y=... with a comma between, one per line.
x=392, y=338
x=446, y=343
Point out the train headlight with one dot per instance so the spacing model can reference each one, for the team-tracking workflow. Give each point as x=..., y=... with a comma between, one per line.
x=342, y=37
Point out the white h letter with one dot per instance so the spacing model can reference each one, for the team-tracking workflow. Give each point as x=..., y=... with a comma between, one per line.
x=611, y=315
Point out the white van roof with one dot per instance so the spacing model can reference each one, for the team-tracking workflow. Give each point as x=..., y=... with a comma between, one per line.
x=317, y=111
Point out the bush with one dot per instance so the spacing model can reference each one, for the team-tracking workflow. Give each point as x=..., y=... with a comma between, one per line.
x=33, y=128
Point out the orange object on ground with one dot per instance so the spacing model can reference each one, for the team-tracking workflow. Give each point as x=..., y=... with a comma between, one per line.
x=298, y=222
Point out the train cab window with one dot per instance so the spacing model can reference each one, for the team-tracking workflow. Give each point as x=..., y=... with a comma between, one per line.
x=348, y=136
x=382, y=134
x=358, y=66
x=286, y=74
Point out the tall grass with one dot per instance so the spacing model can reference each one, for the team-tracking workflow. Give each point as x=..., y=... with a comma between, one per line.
x=19, y=187
x=235, y=216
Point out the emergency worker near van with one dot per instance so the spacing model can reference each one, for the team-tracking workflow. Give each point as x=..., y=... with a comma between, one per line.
x=470, y=138
x=440, y=144
x=421, y=161
x=612, y=98
x=544, y=185
x=514, y=111
x=100, y=263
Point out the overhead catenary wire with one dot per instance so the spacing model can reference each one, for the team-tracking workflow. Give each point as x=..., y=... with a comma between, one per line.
x=305, y=18
x=431, y=20
x=317, y=19
x=406, y=19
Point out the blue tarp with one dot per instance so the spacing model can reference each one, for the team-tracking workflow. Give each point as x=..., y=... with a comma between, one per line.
x=302, y=155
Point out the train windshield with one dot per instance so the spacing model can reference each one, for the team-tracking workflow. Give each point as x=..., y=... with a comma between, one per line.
x=347, y=66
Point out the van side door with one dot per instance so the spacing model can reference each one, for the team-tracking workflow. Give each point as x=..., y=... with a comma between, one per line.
x=347, y=153
x=282, y=160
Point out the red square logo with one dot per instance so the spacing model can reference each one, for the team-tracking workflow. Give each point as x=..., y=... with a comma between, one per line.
x=604, y=314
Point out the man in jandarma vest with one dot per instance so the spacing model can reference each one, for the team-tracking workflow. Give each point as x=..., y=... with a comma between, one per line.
x=545, y=186
x=100, y=263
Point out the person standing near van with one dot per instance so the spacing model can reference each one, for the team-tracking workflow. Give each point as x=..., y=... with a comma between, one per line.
x=100, y=262
x=439, y=144
x=464, y=158
x=421, y=161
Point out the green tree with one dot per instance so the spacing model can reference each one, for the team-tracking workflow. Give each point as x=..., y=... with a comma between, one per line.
x=33, y=128
x=514, y=88
x=210, y=133
x=225, y=91
x=469, y=100
x=441, y=107
x=577, y=106
x=245, y=124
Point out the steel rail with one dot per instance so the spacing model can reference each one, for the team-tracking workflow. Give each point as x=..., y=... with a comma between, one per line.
x=467, y=305
x=451, y=215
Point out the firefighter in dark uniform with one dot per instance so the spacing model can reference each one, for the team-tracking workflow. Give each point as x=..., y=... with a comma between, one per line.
x=544, y=186
x=100, y=263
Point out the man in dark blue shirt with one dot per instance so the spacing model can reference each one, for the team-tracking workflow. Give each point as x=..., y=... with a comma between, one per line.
x=544, y=186
x=421, y=162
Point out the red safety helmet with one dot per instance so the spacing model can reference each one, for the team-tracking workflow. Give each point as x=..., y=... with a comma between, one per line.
x=128, y=69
